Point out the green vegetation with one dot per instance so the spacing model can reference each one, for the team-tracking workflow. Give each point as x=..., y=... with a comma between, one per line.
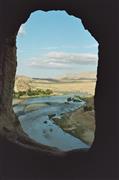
x=81, y=122
x=89, y=103
x=88, y=108
x=29, y=92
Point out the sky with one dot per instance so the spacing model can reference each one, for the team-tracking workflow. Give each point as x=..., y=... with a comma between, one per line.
x=52, y=44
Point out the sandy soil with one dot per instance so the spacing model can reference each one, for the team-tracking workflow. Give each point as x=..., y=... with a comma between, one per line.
x=82, y=86
x=79, y=123
x=81, y=82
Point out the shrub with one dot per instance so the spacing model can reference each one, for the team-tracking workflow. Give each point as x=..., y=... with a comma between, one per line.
x=88, y=108
x=48, y=92
x=30, y=92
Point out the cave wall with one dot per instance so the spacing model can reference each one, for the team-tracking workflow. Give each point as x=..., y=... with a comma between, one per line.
x=99, y=17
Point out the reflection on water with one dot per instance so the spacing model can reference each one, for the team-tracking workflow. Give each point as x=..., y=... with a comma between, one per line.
x=38, y=124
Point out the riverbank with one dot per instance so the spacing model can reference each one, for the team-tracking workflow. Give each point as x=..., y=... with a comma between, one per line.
x=25, y=97
x=35, y=116
x=80, y=123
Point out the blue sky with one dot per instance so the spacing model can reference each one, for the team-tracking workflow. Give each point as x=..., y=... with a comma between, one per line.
x=51, y=44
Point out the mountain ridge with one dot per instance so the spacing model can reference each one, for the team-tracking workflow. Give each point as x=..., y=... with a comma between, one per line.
x=73, y=76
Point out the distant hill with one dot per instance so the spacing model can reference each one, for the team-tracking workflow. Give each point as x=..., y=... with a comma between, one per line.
x=79, y=76
x=83, y=82
x=46, y=79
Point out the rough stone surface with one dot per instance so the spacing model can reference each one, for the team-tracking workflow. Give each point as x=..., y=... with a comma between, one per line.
x=100, y=18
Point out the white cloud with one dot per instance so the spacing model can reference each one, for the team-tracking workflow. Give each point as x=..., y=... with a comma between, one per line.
x=51, y=48
x=46, y=63
x=56, y=59
x=75, y=58
x=21, y=31
x=92, y=46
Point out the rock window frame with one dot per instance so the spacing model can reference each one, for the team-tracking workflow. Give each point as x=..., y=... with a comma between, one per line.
x=9, y=125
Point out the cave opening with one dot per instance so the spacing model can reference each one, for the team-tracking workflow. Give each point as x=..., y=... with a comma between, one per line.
x=20, y=155
x=55, y=81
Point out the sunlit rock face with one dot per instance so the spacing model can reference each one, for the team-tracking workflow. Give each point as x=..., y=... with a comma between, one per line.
x=22, y=83
x=97, y=17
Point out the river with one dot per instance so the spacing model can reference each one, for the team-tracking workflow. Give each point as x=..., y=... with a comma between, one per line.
x=38, y=123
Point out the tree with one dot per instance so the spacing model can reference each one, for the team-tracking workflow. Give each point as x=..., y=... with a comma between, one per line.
x=48, y=92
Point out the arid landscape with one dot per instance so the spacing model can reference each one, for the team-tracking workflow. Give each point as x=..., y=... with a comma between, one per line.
x=66, y=91
x=83, y=83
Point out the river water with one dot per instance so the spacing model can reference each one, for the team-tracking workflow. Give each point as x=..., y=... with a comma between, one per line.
x=39, y=125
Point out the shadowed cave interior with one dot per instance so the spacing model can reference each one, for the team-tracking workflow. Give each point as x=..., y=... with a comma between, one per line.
x=22, y=157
